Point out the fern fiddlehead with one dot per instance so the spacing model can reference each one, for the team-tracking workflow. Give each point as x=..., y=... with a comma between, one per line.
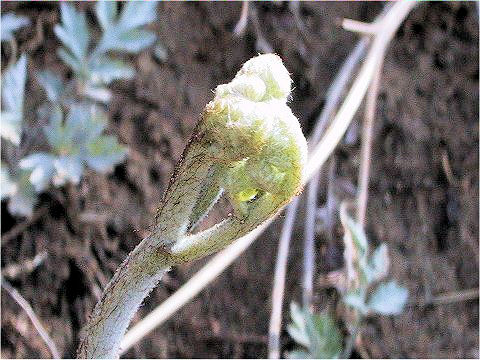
x=248, y=145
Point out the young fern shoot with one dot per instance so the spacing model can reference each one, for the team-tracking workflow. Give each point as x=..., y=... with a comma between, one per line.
x=248, y=146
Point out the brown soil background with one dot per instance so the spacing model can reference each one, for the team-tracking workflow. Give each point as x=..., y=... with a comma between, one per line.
x=428, y=108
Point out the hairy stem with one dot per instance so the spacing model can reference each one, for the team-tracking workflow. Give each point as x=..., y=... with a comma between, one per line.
x=147, y=263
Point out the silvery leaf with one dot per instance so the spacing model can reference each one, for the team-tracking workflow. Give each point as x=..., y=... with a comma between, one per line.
x=298, y=354
x=70, y=60
x=126, y=33
x=377, y=267
x=160, y=52
x=52, y=84
x=42, y=169
x=137, y=13
x=105, y=70
x=54, y=129
x=11, y=127
x=104, y=153
x=326, y=340
x=106, y=12
x=130, y=41
x=68, y=168
x=388, y=299
x=73, y=32
x=356, y=299
x=13, y=90
x=10, y=23
x=22, y=201
x=297, y=329
x=97, y=93
x=7, y=185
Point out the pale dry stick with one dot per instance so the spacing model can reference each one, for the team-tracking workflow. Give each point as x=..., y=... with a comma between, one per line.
x=279, y=280
x=334, y=133
x=388, y=25
x=13, y=270
x=243, y=21
x=366, y=149
x=20, y=300
x=309, y=241
x=331, y=202
x=333, y=96
x=262, y=45
x=294, y=7
x=455, y=296
x=13, y=55
x=448, y=169
x=360, y=27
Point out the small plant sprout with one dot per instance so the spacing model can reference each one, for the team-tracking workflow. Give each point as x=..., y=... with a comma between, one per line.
x=317, y=333
x=364, y=292
x=248, y=146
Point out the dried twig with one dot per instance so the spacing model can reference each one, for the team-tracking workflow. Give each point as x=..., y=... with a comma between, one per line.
x=33, y=318
x=243, y=21
x=294, y=7
x=262, y=45
x=331, y=202
x=452, y=297
x=366, y=149
x=14, y=50
x=13, y=270
x=448, y=169
x=389, y=25
x=309, y=241
x=360, y=27
x=279, y=281
x=333, y=97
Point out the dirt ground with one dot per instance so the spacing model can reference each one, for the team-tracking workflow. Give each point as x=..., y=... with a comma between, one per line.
x=423, y=194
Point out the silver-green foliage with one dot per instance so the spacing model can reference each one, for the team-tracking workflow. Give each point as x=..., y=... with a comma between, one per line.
x=75, y=143
x=94, y=66
x=16, y=187
x=11, y=23
x=14, y=182
x=74, y=121
x=318, y=334
x=372, y=295
x=13, y=94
